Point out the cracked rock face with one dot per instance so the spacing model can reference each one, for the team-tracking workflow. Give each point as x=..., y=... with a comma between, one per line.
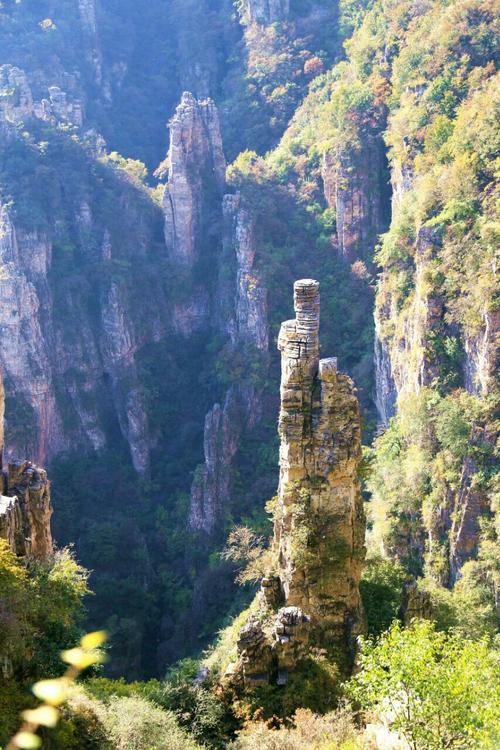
x=17, y=102
x=242, y=315
x=319, y=525
x=25, y=507
x=266, y=11
x=197, y=169
x=354, y=187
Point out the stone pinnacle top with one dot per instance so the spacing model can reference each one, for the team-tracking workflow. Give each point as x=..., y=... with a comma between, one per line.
x=306, y=304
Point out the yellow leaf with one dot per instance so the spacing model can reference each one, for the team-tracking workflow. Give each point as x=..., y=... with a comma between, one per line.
x=27, y=740
x=51, y=691
x=73, y=656
x=45, y=716
x=93, y=640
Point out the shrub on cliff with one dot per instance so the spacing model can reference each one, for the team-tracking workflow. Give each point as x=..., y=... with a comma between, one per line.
x=381, y=585
x=309, y=731
x=135, y=724
x=441, y=691
x=40, y=610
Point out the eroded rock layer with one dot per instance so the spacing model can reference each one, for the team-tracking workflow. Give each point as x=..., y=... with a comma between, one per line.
x=25, y=507
x=319, y=523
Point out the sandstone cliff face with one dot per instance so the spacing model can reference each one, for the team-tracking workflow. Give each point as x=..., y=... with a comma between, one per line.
x=66, y=381
x=320, y=454
x=25, y=510
x=265, y=11
x=411, y=329
x=483, y=354
x=242, y=315
x=412, y=364
x=353, y=184
x=196, y=177
x=319, y=521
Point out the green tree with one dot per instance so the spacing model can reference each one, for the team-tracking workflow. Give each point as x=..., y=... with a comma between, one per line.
x=443, y=692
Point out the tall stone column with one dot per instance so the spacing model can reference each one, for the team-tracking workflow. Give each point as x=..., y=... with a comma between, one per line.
x=311, y=600
x=320, y=526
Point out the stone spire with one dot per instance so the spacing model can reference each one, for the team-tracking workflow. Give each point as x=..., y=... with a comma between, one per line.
x=196, y=177
x=319, y=524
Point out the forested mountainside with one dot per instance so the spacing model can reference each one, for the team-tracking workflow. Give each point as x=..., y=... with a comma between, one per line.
x=145, y=274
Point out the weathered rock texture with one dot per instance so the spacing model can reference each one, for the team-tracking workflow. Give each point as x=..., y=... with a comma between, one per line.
x=18, y=104
x=319, y=491
x=412, y=328
x=354, y=185
x=25, y=508
x=471, y=503
x=319, y=521
x=412, y=361
x=265, y=11
x=242, y=315
x=415, y=603
x=69, y=347
x=196, y=177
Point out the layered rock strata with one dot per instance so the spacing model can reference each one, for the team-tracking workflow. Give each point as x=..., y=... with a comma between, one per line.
x=242, y=316
x=25, y=507
x=319, y=522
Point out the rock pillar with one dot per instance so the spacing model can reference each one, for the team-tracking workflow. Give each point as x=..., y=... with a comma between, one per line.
x=311, y=600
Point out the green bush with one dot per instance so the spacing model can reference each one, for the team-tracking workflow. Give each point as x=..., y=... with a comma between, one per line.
x=381, y=587
x=443, y=691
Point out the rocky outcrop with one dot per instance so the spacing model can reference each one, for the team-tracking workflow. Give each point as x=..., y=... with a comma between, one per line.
x=195, y=180
x=25, y=507
x=241, y=315
x=415, y=603
x=471, y=503
x=265, y=11
x=482, y=352
x=242, y=299
x=25, y=510
x=319, y=523
x=319, y=528
x=385, y=388
x=353, y=184
x=410, y=360
x=88, y=16
x=17, y=102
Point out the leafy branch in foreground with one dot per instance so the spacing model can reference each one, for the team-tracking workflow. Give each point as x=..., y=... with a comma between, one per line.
x=55, y=692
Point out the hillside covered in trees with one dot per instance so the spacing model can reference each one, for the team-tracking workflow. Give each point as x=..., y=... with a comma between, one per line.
x=176, y=178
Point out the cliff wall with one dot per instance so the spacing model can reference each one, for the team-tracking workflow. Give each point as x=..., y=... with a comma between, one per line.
x=437, y=331
x=241, y=313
